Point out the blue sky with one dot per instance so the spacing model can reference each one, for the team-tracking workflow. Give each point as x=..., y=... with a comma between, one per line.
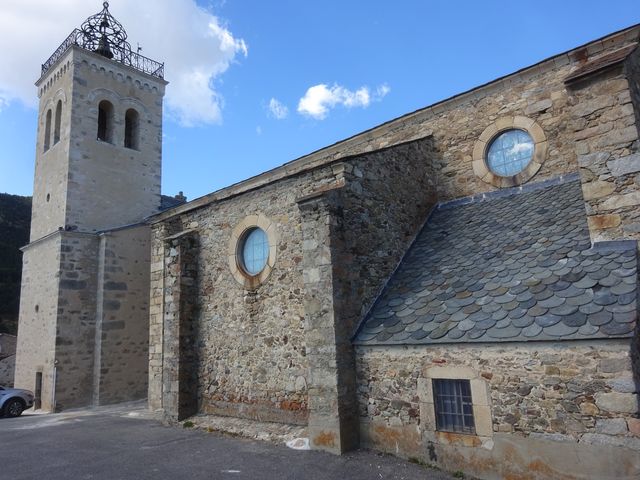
x=377, y=59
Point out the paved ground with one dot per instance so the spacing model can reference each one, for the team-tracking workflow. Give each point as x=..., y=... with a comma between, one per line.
x=109, y=444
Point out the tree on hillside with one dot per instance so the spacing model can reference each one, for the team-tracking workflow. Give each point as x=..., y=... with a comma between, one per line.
x=15, y=221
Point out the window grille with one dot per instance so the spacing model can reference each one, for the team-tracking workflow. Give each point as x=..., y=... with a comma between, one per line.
x=453, y=406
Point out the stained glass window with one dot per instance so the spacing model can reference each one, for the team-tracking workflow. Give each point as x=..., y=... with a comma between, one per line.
x=453, y=405
x=255, y=251
x=510, y=152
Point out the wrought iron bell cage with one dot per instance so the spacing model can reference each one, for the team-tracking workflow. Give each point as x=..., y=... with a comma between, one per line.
x=103, y=34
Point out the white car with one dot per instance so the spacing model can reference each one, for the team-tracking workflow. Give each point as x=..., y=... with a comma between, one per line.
x=13, y=401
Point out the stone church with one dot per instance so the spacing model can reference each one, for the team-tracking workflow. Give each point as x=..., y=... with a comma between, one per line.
x=456, y=286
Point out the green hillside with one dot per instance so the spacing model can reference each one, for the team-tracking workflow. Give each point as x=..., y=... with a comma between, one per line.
x=15, y=220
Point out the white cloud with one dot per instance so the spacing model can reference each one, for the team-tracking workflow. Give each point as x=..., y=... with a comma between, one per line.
x=258, y=130
x=195, y=46
x=521, y=147
x=278, y=110
x=320, y=99
x=382, y=91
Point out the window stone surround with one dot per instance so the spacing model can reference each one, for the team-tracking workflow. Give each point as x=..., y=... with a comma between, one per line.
x=501, y=125
x=249, y=222
x=479, y=395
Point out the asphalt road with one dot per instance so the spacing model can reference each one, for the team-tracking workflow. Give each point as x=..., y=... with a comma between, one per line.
x=111, y=445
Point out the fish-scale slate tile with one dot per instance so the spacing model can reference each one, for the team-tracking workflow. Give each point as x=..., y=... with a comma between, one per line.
x=511, y=268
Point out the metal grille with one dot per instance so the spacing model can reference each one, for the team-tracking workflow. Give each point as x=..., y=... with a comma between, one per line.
x=121, y=55
x=454, y=407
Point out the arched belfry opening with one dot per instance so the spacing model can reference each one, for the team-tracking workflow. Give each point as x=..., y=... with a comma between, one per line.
x=47, y=131
x=105, y=121
x=58, y=121
x=132, y=129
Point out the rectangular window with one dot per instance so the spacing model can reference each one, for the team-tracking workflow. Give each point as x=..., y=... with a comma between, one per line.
x=453, y=405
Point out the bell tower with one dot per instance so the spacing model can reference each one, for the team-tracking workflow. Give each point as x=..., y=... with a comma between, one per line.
x=97, y=177
x=99, y=146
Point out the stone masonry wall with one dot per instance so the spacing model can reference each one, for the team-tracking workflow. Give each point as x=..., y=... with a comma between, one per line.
x=540, y=96
x=84, y=318
x=76, y=325
x=51, y=173
x=569, y=394
x=330, y=381
x=632, y=70
x=386, y=200
x=159, y=234
x=251, y=343
x=7, y=359
x=156, y=315
x=99, y=195
x=7, y=370
x=606, y=136
x=35, y=350
x=79, y=181
x=122, y=344
x=354, y=237
x=80, y=189
x=180, y=352
x=188, y=327
x=253, y=351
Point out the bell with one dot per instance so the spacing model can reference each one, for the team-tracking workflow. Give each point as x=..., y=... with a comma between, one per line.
x=103, y=47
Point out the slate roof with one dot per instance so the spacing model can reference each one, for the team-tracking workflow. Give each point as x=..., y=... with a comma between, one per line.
x=515, y=268
x=167, y=202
